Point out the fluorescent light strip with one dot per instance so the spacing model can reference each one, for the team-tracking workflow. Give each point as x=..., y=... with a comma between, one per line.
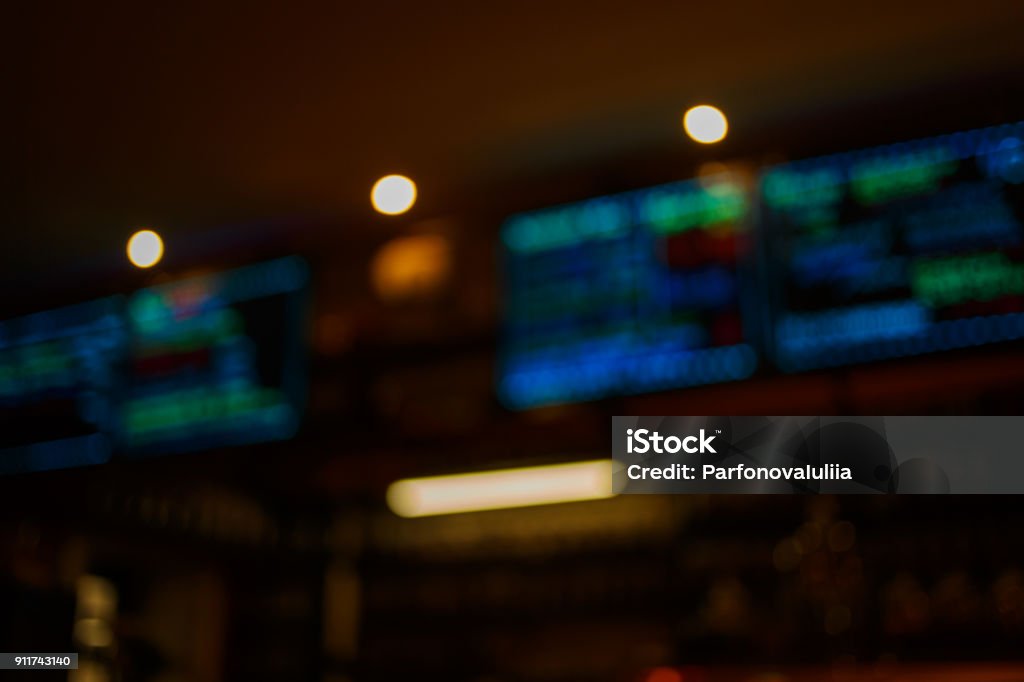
x=501, y=489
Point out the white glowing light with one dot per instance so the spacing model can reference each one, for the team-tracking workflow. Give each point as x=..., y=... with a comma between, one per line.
x=706, y=124
x=393, y=194
x=145, y=249
x=505, y=488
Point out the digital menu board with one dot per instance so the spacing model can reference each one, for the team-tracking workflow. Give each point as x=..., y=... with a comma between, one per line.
x=215, y=360
x=58, y=386
x=628, y=293
x=192, y=364
x=895, y=251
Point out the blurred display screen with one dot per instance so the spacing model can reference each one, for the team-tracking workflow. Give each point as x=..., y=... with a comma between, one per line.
x=215, y=360
x=896, y=251
x=626, y=294
x=58, y=385
x=200, y=363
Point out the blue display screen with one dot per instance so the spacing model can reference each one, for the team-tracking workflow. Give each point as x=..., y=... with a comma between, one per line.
x=194, y=364
x=59, y=385
x=887, y=252
x=627, y=293
x=895, y=251
x=215, y=360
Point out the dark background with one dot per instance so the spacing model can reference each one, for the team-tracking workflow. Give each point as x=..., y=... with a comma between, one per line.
x=251, y=131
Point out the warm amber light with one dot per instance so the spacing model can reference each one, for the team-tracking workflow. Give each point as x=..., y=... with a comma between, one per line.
x=393, y=194
x=145, y=249
x=411, y=267
x=705, y=124
x=664, y=675
x=502, y=489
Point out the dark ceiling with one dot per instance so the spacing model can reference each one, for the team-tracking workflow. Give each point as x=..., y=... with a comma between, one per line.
x=175, y=116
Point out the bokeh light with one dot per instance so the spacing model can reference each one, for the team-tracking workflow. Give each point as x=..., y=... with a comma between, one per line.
x=411, y=267
x=664, y=675
x=705, y=124
x=501, y=489
x=393, y=194
x=145, y=249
